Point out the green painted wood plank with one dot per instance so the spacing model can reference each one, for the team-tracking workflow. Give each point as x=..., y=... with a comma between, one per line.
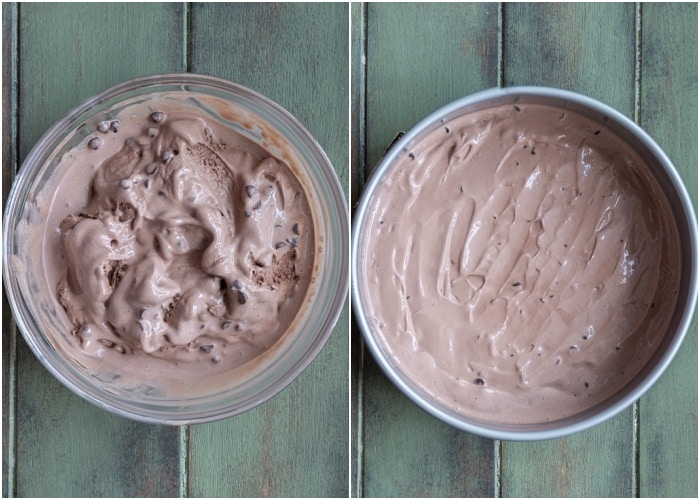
x=582, y=47
x=297, y=443
x=65, y=446
x=357, y=148
x=409, y=453
x=588, y=48
x=668, y=454
x=9, y=167
x=420, y=57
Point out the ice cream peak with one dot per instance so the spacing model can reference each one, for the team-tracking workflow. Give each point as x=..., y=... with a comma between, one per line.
x=179, y=239
x=518, y=263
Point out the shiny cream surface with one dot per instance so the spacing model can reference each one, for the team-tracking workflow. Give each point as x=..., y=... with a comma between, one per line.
x=177, y=248
x=519, y=264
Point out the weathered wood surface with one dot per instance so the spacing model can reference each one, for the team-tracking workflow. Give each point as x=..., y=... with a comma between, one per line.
x=642, y=60
x=297, y=443
x=668, y=415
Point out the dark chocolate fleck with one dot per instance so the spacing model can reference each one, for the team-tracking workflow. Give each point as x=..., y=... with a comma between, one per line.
x=250, y=190
x=242, y=297
x=479, y=381
x=157, y=116
x=95, y=143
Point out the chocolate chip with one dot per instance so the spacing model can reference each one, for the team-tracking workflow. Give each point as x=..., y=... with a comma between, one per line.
x=292, y=241
x=295, y=228
x=411, y=156
x=248, y=213
x=239, y=327
x=226, y=325
x=517, y=283
x=280, y=244
x=124, y=184
x=532, y=151
x=237, y=285
x=242, y=297
x=596, y=132
x=103, y=127
x=152, y=168
x=166, y=156
x=95, y=143
x=206, y=348
x=479, y=381
x=157, y=116
x=586, y=384
x=250, y=190
x=114, y=126
x=517, y=108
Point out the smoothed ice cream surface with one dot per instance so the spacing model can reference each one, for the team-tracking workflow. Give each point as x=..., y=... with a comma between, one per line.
x=177, y=247
x=519, y=263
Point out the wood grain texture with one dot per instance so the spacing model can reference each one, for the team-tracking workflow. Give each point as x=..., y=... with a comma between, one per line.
x=587, y=48
x=9, y=160
x=409, y=453
x=420, y=57
x=357, y=159
x=66, y=446
x=297, y=443
x=668, y=451
x=583, y=47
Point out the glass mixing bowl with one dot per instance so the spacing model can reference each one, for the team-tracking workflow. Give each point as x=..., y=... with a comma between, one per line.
x=43, y=322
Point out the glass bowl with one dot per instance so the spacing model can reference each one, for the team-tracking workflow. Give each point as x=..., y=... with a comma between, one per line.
x=46, y=327
x=497, y=421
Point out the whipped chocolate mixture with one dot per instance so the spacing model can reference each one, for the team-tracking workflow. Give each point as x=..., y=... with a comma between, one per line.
x=174, y=240
x=519, y=264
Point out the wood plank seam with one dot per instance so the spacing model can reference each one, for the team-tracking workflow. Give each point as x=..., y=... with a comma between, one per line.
x=500, y=37
x=636, y=436
x=362, y=158
x=187, y=37
x=500, y=64
x=13, y=147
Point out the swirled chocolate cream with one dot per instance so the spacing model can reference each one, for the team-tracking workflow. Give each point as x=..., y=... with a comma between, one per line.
x=176, y=246
x=519, y=264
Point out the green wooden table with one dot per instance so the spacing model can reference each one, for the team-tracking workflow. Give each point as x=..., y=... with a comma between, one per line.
x=410, y=59
x=56, y=444
x=406, y=61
